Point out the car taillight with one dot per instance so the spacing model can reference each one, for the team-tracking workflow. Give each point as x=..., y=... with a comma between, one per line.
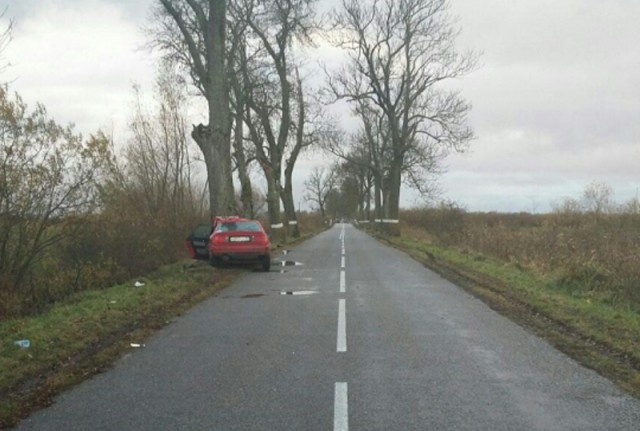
x=261, y=238
x=218, y=239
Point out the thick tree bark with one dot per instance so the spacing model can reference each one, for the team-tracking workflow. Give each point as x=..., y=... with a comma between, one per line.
x=378, y=195
x=208, y=69
x=219, y=113
x=273, y=199
x=246, y=190
x=289, y=206
x=218, y=169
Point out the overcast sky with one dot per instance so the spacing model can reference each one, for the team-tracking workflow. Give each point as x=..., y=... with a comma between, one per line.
x=556, y=100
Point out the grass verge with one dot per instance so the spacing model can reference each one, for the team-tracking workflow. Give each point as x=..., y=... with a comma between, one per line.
x=84, y=334
x=598, y=335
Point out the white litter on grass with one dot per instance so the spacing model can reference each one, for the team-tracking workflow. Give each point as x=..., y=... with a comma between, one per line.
x=137, y=345
x=25, y=344
x=138, y=284
x=113, y=302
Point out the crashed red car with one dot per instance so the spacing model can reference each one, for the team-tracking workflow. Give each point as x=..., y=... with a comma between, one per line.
x=239, y=240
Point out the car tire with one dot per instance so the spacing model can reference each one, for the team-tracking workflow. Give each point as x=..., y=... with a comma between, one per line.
x=266, y=263
x=214, y=261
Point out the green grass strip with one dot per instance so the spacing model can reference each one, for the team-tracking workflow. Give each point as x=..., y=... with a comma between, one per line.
x=84, y=333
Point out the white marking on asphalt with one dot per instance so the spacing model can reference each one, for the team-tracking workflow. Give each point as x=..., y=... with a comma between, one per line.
x=343, y=284
x=342, y=263
x=298, y=292
x=341, y=408
x=341, y=345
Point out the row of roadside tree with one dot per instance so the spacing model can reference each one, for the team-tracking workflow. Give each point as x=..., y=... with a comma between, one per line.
x=76, y=214
x=246, y=58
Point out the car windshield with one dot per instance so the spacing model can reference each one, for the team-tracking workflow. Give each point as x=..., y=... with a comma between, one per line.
x=239, y=225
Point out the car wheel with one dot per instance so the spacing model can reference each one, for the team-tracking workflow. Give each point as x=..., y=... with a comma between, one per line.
x=266, y=263
x=214, y=261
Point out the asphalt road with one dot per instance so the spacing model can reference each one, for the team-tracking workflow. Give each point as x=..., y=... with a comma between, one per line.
x=373, y=341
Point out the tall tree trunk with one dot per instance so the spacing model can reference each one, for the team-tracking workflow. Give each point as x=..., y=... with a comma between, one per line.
x=246, y=190
x=393, y=206
x=289, y=206
x=287, y=195
x=273, y=199
x=214, y=146
x=378, y=195
x=214, y=140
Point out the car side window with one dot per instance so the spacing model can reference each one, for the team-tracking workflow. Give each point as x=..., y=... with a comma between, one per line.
x=202, y=231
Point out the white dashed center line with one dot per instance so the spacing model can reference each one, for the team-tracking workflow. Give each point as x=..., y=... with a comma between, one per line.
x=341, y=405
x=341, y=345
x=341, y=408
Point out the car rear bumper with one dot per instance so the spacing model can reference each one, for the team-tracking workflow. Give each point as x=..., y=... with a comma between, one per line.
x=244, y=254
x=240, y=257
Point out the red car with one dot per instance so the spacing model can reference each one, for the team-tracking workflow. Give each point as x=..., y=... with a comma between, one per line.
x=236, y=239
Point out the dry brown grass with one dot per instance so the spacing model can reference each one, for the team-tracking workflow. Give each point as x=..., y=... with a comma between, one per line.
x=588, y=255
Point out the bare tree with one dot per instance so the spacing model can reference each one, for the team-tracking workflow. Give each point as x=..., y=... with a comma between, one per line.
x=5, y=39
x=237, y=59
x=368, y=150
x=274, y=95
x=398, y=52
x=306, y=135
x=318, y=186
x=159, y=158
x=193, y=33
x=597, y=198
x=357, y=182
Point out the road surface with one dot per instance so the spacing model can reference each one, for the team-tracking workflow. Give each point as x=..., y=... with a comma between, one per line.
x=356, y=336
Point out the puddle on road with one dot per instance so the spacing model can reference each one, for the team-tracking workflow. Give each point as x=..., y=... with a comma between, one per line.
x=287, y=292
x=252, y=295
x=298, y=292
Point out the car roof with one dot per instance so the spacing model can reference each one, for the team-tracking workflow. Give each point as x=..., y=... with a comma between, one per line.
x=229, y=219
